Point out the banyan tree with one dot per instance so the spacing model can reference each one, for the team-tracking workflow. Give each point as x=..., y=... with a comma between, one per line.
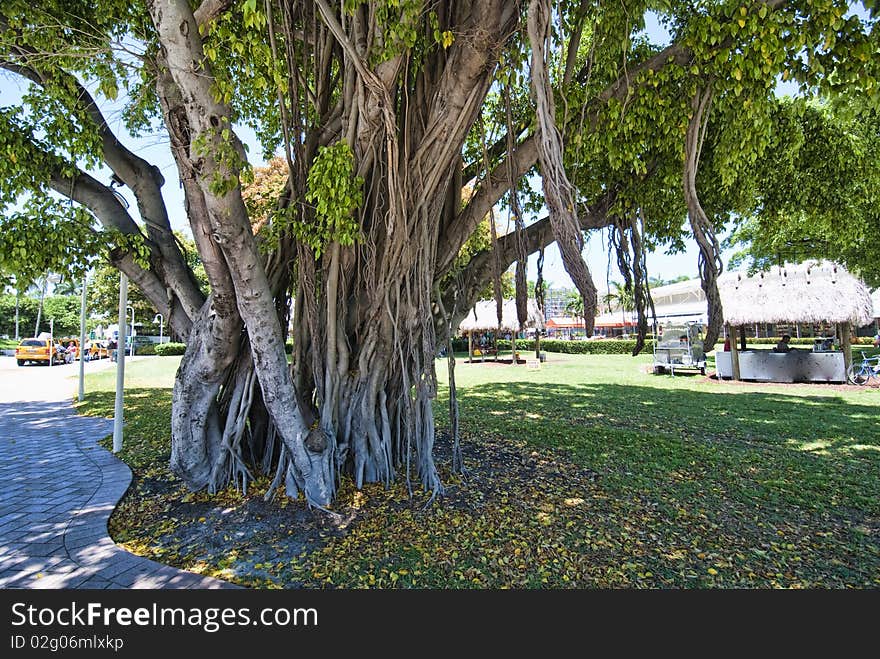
x=563, y=116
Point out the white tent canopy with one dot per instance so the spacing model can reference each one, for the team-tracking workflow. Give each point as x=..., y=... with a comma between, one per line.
x=484, y=317
x=811, y=292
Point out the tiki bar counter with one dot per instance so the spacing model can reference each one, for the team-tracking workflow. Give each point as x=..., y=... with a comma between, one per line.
x=794, y=366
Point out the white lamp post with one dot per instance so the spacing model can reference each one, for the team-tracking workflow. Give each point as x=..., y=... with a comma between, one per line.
x=82, y=340
x=159, y=318
x=120, y=363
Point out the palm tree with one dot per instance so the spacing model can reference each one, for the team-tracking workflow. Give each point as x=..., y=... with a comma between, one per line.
x=574, y=306
x=620, y=298
x=40, y=284
x=66, y=286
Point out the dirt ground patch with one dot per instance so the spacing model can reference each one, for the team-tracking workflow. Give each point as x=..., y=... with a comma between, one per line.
x=253, y=542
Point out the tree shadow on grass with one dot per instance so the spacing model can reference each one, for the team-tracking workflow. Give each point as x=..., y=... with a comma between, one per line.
x=812, y=451
x=681, y=489
x=796, y=421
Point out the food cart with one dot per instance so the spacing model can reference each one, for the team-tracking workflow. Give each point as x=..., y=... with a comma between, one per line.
x=679, y=345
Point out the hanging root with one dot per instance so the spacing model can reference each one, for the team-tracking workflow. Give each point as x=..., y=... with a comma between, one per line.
x=710, y=263
x=457, y=458
x=631, y=264
x=230, y=465
x=539, y=300
x=427, y=469
x=539, y=282
x=641, y=291
x=493, y=233
x=522, y=294
x=558, y=191
x=280, y=473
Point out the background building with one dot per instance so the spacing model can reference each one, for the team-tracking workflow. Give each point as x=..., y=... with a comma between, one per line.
x=685, y=300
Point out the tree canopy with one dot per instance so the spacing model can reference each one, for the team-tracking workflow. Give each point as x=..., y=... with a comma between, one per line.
x=817, y=189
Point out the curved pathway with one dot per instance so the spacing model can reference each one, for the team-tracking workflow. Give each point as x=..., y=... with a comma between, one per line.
x=58, y=489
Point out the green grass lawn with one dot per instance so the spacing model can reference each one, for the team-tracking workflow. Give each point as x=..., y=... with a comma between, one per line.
x=152, y=373
x=589, y=472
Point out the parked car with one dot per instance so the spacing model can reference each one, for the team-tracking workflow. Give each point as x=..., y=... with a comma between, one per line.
x=97, y=349
x=48, y=351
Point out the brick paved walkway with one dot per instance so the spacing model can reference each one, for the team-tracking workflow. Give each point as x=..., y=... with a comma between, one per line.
x=57, y=491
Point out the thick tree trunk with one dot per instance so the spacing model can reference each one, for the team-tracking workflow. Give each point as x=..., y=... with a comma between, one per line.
x=309, y=452
x=196, y=427
x=357, y=398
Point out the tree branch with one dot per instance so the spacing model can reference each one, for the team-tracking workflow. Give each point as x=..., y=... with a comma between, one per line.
x=144, y=179
x=179, y=132
x=133, y=170
x=100, y=200
x=478, y=272
x=463, y=85
x=369, y=78
x=526, y=154
x=490, y=190
x=210, y=9
x=97, y=197
x=575, y=42
x=673, y=54
x=496, y=150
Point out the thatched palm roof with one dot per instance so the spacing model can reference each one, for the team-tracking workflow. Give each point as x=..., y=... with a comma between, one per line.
x=812, y=292
x=484, y=317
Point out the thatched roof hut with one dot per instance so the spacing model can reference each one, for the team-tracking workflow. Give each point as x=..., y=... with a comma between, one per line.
x=811, y=292
x=484, y=317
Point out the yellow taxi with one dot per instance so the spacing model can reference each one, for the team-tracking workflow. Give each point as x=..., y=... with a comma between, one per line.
x=97, y=349
x=38, y=350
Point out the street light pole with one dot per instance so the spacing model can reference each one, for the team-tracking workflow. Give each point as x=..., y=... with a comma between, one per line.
x=161, y=320
x=17, y=296
x=82, y=340
x=120, y=362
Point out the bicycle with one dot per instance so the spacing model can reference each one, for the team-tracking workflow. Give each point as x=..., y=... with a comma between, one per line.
x=861, y=373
